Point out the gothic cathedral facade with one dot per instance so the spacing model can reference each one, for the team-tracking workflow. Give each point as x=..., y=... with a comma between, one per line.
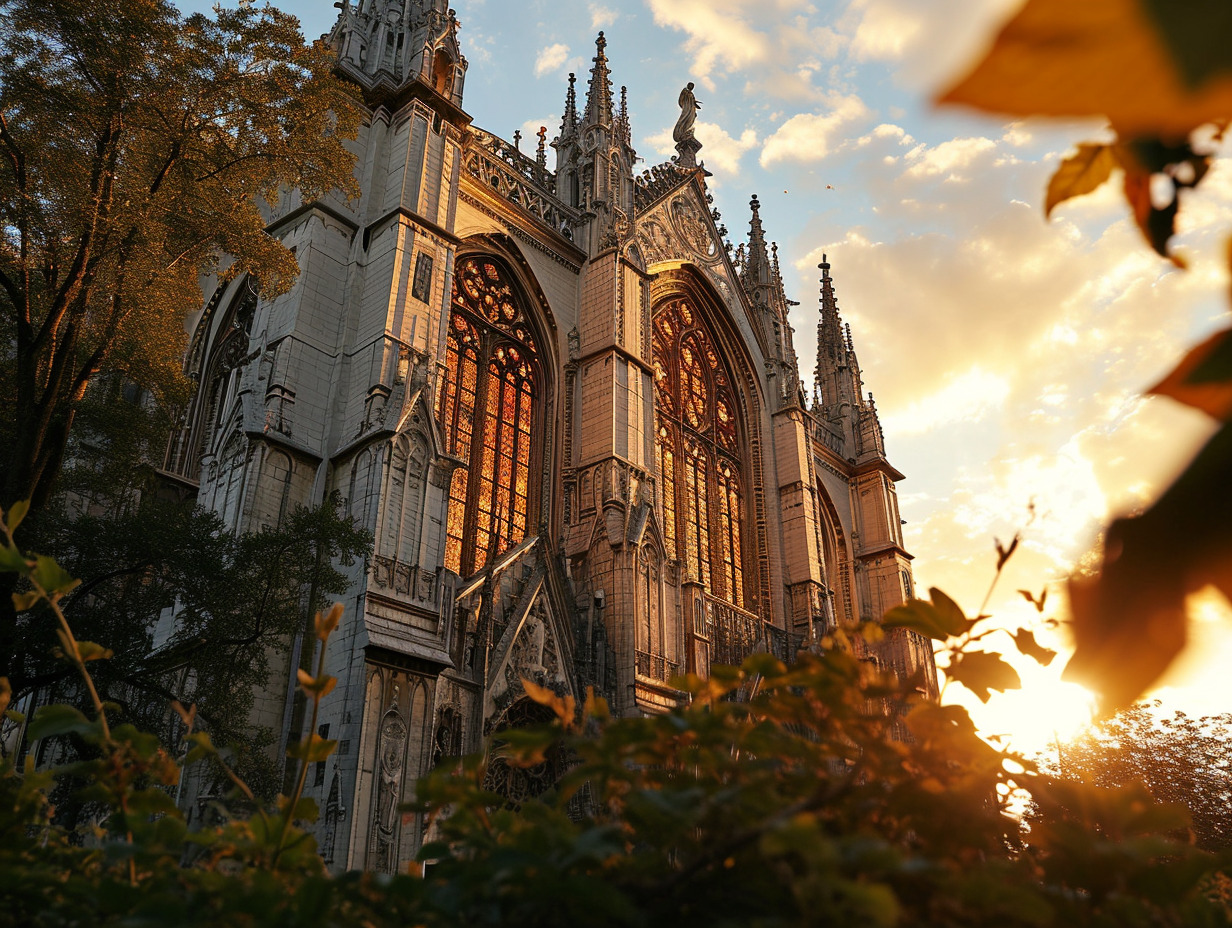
x=569, y=412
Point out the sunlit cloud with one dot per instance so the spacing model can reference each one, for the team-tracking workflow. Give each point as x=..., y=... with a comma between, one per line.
x=965, y=398
x=811, y=136
x=551, y=58
x=783, y=45
x=721, y=151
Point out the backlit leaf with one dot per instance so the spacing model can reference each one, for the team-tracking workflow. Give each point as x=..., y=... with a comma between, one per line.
x=1129, y=620
x=1195, y=33
x=918, y=615
x=1079, y=174
x=59, y=719
x=1095, y=58
x=982, y=671
x=51, y=576
x=1024, y=640
x=1203, y=379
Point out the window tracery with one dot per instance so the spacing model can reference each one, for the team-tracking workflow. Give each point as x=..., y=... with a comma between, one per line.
x=486, y=409
x=698, y=452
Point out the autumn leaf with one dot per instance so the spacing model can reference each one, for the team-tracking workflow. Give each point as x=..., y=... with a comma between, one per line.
x=1129, y=620
x=1104, y=58
x=939, y=620
x=1024, y=640
x=983, y=671
x=1203, y=379
x=1079, y=174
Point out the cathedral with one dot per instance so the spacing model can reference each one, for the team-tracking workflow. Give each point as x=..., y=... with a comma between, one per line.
x=566, y=407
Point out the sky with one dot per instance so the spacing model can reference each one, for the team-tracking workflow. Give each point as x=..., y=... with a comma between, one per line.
x=1007, y=353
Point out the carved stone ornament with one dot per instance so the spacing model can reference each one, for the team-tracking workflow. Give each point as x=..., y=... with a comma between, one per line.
x=693, y=230
x=386, y=817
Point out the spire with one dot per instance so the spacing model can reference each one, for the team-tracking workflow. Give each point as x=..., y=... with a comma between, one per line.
x=831, y=343
x=757, y=266
x=599, y=94
x=568, y=125
x=623, y=131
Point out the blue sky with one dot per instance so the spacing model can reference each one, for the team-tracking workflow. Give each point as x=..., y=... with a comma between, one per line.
x=1007, y=354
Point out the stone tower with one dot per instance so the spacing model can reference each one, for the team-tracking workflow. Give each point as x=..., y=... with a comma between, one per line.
x=569, y=413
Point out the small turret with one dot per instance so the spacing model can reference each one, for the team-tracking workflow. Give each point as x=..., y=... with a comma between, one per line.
x=385, y=45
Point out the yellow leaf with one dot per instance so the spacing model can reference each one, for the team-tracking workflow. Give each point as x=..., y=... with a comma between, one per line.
x=1091, y=58
x=326, y=625
x=545, y=697
x=1079, y=174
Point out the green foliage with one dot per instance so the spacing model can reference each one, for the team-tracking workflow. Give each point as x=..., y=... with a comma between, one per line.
x=1181, y=760
x=237, y=599
x=830, y=795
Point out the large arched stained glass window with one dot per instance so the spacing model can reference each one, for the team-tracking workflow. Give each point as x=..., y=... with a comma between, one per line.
x=486, y=409
x=698, y=453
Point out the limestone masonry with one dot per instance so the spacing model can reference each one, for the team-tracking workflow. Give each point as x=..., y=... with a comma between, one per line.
x=570, y=414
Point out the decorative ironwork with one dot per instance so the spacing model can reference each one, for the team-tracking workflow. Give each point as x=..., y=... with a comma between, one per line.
x=487, y=409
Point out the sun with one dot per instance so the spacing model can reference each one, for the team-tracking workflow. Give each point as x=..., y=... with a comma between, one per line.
x=1029, y=721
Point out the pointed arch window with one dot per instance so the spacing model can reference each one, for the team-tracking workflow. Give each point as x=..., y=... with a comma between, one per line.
x=487, y=408
x=698, y=453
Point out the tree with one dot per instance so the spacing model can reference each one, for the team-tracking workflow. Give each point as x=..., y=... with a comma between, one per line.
x=136, y=149
x=1179, y=759
x=238, y=598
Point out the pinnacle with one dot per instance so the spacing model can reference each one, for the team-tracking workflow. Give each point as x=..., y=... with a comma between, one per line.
x=599, y=94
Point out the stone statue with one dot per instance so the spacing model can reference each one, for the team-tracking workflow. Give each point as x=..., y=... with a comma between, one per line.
x=687, y=145
x=689, y=105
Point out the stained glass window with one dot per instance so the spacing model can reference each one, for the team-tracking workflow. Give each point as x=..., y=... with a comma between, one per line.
x=698, y=452
x=486, y=409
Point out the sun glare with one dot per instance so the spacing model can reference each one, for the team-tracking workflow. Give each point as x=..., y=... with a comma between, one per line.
x=1031, y=720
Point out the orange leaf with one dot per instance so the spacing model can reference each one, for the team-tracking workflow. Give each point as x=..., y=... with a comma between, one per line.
x=1091, y=58
x=1213, y=397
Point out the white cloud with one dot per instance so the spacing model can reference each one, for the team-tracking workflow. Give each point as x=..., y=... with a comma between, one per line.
x=811, y=136
x=551, y=58
x=968, y=397
x=721, y=151
x=782, y=40
x=927, y=43
x=948, y=158
x=601, y=16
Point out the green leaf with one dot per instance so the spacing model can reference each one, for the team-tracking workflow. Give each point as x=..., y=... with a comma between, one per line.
x=1079, y=174
x=59, y=719
x=982, y=671
x=12, y=560
x=953, y=619
x=16, y=513
x=1026, y=644
x=920, y=616
x=51, y=576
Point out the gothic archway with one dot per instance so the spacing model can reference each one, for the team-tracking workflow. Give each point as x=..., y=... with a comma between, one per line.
x=491, y=411
x=700, y=442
